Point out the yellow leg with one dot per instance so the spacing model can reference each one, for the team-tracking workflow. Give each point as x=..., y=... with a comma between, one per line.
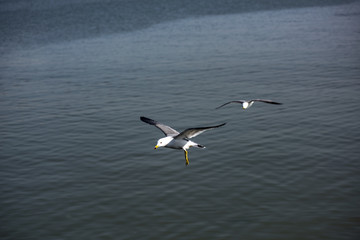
x=186, y=158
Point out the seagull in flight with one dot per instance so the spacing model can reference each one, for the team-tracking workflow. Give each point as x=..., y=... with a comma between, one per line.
x=174, y=139
x=247, y=104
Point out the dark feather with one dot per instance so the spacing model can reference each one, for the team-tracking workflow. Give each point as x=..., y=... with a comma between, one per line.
x=237, y=101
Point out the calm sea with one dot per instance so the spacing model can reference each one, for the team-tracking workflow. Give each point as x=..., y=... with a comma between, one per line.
x=77, y=163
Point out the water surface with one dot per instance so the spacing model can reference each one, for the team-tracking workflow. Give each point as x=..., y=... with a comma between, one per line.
x=77, y=163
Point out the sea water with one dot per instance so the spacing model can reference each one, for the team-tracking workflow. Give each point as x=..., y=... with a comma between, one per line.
x=77, y=162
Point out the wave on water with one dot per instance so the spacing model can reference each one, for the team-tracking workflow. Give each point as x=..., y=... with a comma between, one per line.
x=37, y=22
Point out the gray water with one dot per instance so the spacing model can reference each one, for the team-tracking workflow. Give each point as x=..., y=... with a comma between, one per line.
x=77, y=163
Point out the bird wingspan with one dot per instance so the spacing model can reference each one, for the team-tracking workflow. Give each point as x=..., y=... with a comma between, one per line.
x=168, y=131
x=237, y=101
x=193, y=132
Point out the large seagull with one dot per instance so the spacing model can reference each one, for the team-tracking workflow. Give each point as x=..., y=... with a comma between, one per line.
x=174, y=139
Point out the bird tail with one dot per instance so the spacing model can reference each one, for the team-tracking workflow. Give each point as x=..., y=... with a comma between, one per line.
x=200, y=146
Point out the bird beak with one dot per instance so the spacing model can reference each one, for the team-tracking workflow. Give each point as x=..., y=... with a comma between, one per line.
x=156, y=147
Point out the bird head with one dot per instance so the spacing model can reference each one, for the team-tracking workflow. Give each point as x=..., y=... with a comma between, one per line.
x=162, y=142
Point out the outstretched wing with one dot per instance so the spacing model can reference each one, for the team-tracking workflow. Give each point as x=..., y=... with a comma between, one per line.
x=193, y=132
x=265, y=101
x=168, y=131
x=237, y=101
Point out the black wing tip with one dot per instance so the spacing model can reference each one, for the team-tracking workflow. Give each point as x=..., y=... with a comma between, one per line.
x=234, y=101
x=221, y=125
x=217, y=126
x=266, y=101
x=222, y=105
x=148, y=120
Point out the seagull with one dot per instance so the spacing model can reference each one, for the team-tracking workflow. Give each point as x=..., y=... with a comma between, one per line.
x=247, y=104
x=174, y=139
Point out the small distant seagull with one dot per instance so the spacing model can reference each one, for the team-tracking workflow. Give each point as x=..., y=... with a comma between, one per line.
x=177, y=140
x=247, y=104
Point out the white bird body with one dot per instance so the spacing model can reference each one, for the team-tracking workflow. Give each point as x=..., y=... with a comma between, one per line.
x=170, y=142
x=177, y=140
x=247, y=104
